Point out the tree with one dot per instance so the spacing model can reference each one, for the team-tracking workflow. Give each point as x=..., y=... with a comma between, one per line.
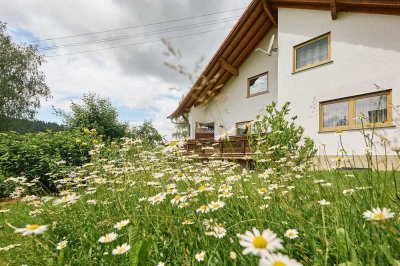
x=95, y=113
x=147, y=133
x=22, y=84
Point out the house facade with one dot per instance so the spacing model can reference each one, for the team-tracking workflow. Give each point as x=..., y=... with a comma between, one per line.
x=336, y=62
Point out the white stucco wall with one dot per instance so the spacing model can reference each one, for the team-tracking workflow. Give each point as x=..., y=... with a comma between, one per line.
x=232, y=105
x=365, y=51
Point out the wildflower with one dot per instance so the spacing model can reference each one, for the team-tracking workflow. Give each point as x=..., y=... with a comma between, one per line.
x=348, y=191
x=32, y=229
x=67, y=199
x=200, y=256
x=260, y=243
x=292, y=233
x=187, y=222
x=157, y=199
x=339, y=132
x=324, y=202
x=92, y=202
x=203, y=209
x=121, y=224
x=4, y=210
x=215, y=205
x=263, y=207
x=218, y=231
x=262, y=190
x=121, y=249
x=108, y=238
x=278, y=260
x=233, y=255
x=61, y=245
x=161, y=263
x=378, y=214
x=178, y=199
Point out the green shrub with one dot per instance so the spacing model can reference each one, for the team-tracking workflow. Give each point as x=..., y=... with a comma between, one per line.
x=278, y=142
x=37, y=155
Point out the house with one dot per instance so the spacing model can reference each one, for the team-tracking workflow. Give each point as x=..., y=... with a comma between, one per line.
x=327, y=58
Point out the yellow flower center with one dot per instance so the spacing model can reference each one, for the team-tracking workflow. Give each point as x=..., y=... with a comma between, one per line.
x=203, y=207
x=121, y=250
x=33, y=226
x=262, y=190
x=290, y=234
x=260, y=242
x=177, y=197
x=201, y=188
x=279, y=263
x=378, y=216
x=216, y=205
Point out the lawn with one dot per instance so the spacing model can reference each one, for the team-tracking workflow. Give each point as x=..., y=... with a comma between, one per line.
x=179, y=210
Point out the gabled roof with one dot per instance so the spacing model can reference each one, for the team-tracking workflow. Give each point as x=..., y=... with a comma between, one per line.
x=259, y=17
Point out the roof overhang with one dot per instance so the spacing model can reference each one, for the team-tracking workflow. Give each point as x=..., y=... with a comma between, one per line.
x=256, y=21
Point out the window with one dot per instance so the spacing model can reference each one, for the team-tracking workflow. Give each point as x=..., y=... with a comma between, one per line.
x=368, y=110
x=257, y=85
x=242, y=128
x=312, y=53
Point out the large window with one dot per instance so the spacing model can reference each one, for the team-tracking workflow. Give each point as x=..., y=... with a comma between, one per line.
x=368, y=110
x=312, y=53
x=257, y=85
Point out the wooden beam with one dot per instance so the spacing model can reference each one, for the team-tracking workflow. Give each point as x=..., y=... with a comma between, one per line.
x=332, y=4
x=228, y=67
x=269, y=13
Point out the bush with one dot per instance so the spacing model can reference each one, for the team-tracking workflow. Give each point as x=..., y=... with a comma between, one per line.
x=37, y=155
x=279, y=143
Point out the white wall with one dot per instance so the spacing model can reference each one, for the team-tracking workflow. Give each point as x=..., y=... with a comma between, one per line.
x=232, y=105
x=365, y=51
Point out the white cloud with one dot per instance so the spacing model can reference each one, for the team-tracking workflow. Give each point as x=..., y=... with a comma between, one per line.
x=133, y=77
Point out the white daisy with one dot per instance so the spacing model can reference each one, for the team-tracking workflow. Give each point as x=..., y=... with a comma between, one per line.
x=260, y=243
x=203, y=209
x=278, y=260
x=32, y=229
x=61, y=245
x=233, y=255
x=157, y=199
x=108, y=238
x=215, y=205
x=324, y=202
x=121, y=224
x=200, y=256
x=178, y=199
x=121, y=249
x=292, y=233
x=378, y=214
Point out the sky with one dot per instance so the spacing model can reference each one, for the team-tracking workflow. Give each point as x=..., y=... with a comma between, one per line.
x=127, y=65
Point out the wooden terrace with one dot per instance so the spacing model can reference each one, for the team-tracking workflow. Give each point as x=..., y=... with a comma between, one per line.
x=236, y=147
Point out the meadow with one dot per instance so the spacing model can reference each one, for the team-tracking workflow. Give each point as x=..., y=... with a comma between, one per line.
x=133, y=205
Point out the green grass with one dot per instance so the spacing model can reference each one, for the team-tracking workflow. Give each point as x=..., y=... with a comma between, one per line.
x=328, y=235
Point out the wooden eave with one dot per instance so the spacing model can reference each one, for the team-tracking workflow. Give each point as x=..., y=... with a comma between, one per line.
x=259, y=17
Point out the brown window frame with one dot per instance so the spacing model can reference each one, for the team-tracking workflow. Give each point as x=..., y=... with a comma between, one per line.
x=261, y=92
x=352, y=112
x=301, y=45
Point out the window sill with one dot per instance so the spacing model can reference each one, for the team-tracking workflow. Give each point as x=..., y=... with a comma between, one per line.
x=357, y=129
x=311, y=67
x=258, y=93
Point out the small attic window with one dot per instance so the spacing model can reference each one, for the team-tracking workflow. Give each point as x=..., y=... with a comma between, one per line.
x=257, y=85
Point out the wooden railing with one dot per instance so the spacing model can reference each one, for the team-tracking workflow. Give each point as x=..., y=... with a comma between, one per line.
x=235, y=147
